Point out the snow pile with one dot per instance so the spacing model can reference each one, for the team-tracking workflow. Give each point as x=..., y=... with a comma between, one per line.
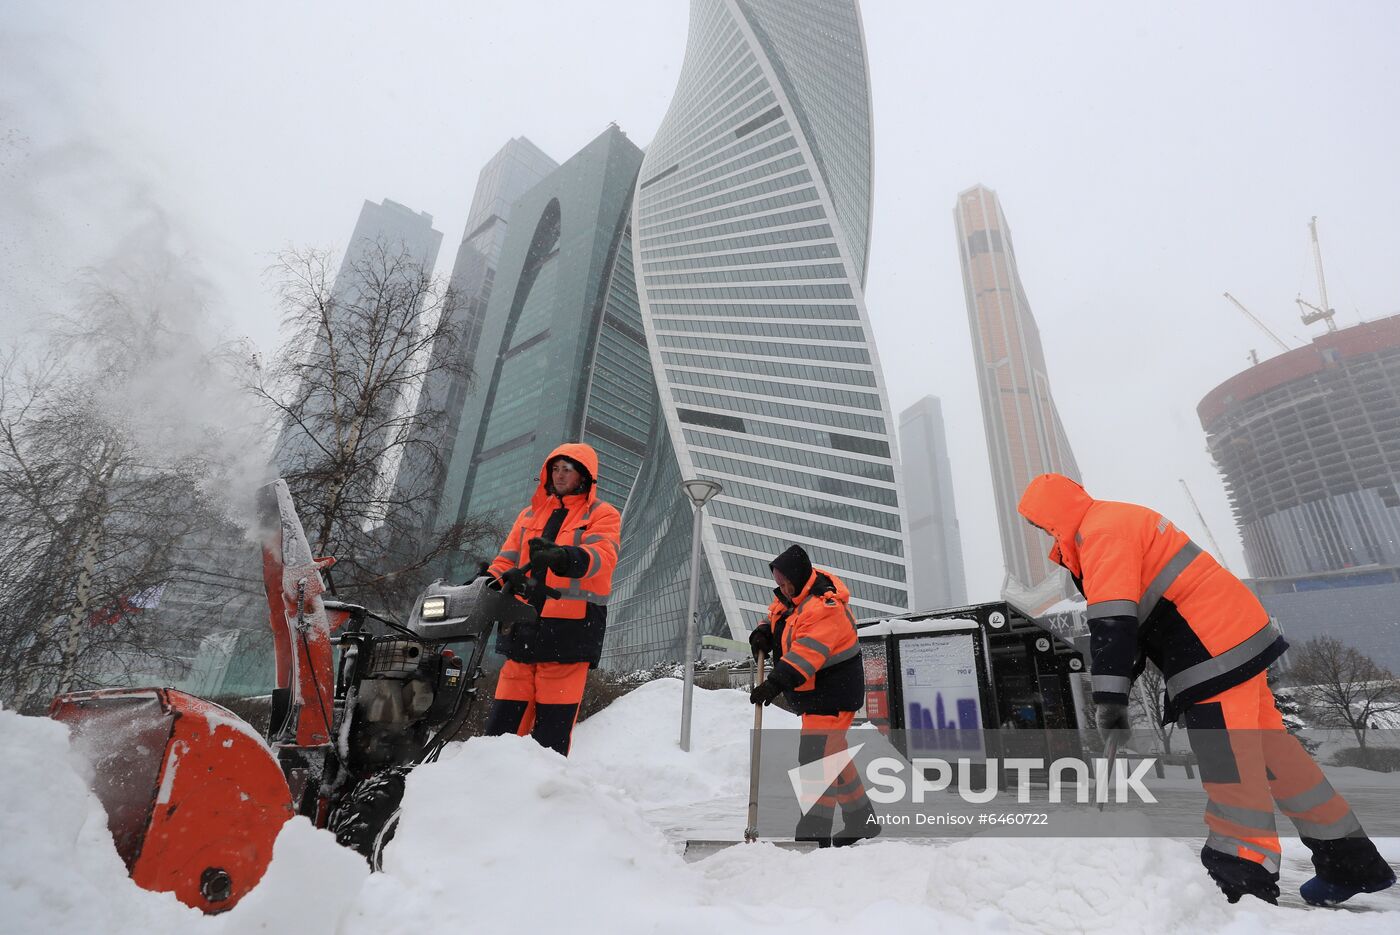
x=502, y=836
x=503, y=829
x=632, y=746
x=59, y=870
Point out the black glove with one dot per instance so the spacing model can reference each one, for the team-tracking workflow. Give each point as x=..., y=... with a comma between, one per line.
x=554, y=557
x=1113, y=722
x=765, y=693
x=513, y=580
x=761, y=640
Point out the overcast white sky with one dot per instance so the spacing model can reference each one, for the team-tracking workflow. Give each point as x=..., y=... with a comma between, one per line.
x=1148, y=159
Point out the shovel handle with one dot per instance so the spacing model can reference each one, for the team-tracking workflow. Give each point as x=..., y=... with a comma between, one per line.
x=1110, y=752
x=755, y=742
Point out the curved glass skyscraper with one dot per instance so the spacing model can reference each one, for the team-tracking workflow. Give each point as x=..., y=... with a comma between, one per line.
x=751, y=225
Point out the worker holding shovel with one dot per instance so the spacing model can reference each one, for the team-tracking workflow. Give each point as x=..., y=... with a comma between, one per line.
x=811, y=637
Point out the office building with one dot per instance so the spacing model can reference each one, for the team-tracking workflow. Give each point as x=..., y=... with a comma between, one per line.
x=562, y=356
x=395, y=229
x=935, y=559
x=1024, y=434
x=515, y=169
x=751, y=230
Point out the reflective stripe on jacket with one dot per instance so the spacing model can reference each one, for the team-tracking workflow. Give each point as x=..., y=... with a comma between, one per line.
x=1152, y=593
x=817, y=659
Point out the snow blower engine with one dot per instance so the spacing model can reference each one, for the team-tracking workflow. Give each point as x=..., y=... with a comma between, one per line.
x=195, y=797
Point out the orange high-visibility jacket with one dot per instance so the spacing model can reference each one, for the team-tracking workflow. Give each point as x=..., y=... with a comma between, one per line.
x=1152, y=593
x=591, y=532
x=818, y=656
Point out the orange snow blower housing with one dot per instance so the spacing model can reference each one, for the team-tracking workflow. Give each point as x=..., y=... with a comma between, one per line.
x=219, y=799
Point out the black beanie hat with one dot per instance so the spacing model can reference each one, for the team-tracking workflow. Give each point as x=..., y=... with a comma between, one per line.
x=795, y=566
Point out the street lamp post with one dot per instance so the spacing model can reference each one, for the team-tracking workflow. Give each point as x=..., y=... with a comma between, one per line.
x=699, y=491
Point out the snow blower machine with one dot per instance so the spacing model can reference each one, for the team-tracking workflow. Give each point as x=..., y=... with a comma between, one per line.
x=195, y=797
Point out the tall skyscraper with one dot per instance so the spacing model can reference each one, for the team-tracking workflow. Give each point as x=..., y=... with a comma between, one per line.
x=516, y=168
x=935, y=544
x=751, y=229
x=395, y=228
x=1024, y=434
x=561, y=356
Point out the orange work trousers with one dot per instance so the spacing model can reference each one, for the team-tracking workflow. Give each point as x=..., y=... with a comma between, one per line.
x=824, y=735
x=1249, y=764
x=540, y=699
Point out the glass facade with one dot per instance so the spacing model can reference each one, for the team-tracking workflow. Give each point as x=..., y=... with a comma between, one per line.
x=515, y=169
x=750, y=232
x=621, y=407
x=395, y=228
x=562, y=355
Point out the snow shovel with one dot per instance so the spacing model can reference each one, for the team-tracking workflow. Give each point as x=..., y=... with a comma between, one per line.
x=755, y=745
x=698, y=849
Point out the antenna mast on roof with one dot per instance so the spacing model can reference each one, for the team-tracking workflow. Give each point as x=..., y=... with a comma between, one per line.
x=1325, y=312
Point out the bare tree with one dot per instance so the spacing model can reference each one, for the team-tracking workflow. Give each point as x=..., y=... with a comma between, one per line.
x=1289, y=708
x=1342, y=686
x=1147, y=700
x=92, y=501
x=345, y=388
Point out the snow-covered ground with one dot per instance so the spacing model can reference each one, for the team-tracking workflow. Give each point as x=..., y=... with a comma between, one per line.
x=501, y=836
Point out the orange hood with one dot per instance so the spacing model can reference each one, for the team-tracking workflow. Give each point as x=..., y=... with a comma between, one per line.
x=575, y=451
x=1057, y=505
x=842, y=593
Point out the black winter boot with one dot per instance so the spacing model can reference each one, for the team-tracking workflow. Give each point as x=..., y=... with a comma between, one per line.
x=815, y=827
x=858, y=824
x=1238, y=877
x=1345, y=867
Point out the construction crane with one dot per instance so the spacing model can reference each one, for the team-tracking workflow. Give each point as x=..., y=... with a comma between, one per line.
x=1219, y=552
x=1313, y=313
x=1240, y=305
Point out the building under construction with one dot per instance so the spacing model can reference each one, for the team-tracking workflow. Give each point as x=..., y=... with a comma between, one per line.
x=1309, y=446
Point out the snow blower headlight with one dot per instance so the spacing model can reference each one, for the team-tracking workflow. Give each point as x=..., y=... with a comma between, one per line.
x=434, y=608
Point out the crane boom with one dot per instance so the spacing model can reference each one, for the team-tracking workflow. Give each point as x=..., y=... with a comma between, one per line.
x=1323, y=312
x=1219, y=553
x=1240, y=305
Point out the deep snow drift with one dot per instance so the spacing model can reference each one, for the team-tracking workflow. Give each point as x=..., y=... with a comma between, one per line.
x=502, y=836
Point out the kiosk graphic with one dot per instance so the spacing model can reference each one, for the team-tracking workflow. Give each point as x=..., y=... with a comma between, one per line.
x=943, y=712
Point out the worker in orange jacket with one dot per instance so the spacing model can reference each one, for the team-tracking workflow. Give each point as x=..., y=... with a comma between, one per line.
x=811, y=637
x=566, y=541
x=1154, y=595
